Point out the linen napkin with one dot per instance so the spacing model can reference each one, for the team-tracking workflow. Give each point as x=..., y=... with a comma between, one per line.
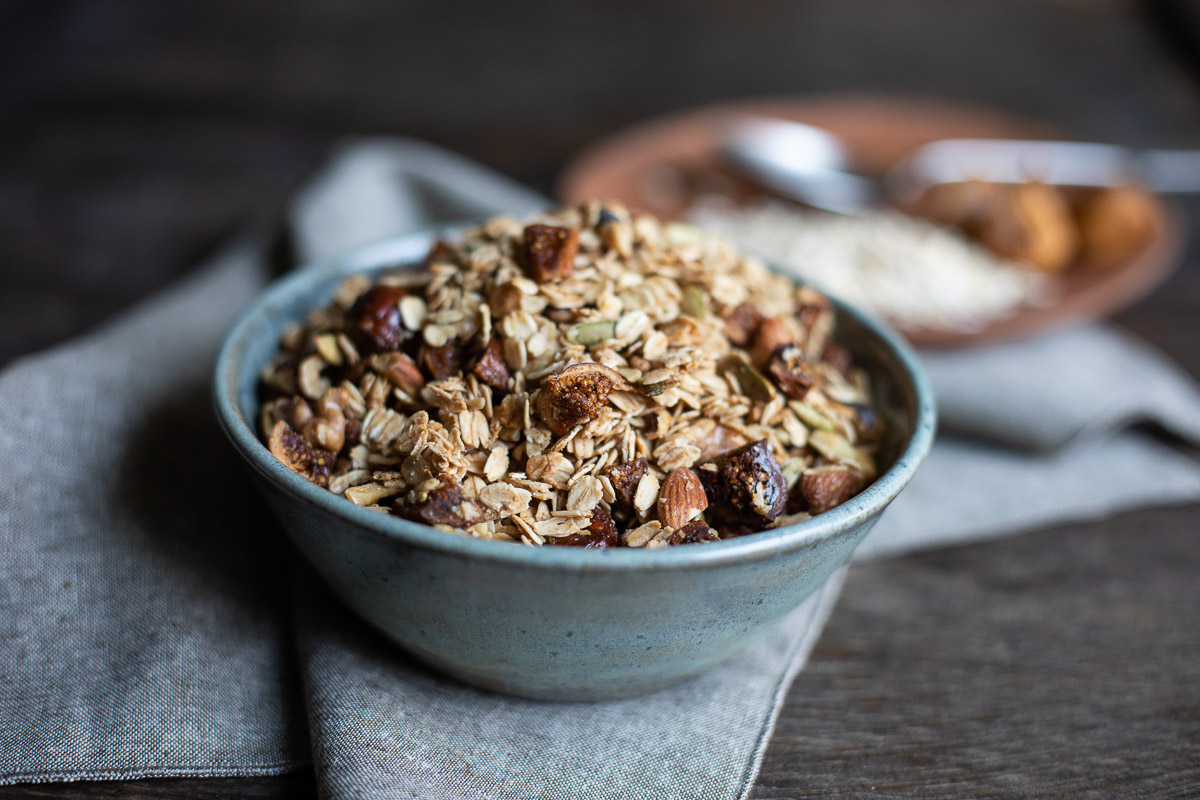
x=145, y=626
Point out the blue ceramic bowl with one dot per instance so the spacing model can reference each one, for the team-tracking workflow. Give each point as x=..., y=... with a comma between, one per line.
x=557, y=623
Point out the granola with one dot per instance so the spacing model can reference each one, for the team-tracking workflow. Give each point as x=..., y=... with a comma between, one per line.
x=592, y=378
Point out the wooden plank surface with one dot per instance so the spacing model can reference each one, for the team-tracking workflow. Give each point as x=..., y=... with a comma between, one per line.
x=137, y=135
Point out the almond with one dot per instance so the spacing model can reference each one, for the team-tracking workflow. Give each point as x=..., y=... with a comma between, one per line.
x=681, y=498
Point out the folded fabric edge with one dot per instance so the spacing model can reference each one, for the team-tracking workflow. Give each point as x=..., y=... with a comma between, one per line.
x=140, y=773
x=796, y=658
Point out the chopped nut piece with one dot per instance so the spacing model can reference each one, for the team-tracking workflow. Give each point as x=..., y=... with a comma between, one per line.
x=825, y=487
x=401, y=371
x=327, y=348
x=747, y=483
x=297, y=455
x=576, y=394
x=639, y=536
x=681, y=498
x=550, y=252
x=308, y=377
x=646, y=494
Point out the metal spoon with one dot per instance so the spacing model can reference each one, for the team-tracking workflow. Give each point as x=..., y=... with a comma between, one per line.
x=814, y=166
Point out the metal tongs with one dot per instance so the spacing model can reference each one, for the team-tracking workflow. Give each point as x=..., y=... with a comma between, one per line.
x=814, y=166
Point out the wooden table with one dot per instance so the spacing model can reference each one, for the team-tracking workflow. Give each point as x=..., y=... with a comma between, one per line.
x=1062, y=663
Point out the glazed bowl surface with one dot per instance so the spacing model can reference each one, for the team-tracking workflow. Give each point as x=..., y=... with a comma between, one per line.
x=557, y=623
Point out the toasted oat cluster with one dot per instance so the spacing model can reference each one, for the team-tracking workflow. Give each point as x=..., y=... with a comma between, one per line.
x=592, y=379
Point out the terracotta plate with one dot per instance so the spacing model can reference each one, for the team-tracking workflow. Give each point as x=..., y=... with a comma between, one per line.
x=662, y=165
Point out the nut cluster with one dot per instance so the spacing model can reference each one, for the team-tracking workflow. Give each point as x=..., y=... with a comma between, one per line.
x=592, y=379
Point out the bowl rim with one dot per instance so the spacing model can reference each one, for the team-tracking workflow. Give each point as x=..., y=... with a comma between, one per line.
x=411, y=247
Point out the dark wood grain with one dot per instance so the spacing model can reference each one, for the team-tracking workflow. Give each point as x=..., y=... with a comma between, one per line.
x=136, y=135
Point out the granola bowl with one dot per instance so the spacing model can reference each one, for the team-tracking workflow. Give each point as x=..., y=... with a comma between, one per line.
x=561, y=623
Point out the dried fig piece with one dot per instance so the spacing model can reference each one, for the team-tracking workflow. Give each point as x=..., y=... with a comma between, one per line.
x=747, y=485
x=625, y=478
x=377, y=311
x=504, y=300
x=742, y=323
x=441, y=362
x=353, y=433
x=294, y=451
x=680, y=498
x=550, y=252
x=491, y=367
x=446, y=505
x=602, y=533
x=792, y=372
x=827, y=487
x=576, y=394
x=695, y=532
x=443, y=253
x=867, y=424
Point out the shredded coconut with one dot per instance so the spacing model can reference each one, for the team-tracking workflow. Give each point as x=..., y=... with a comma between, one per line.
x=908, y=271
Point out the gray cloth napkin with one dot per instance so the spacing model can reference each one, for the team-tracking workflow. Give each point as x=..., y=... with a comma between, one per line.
x=144, y=617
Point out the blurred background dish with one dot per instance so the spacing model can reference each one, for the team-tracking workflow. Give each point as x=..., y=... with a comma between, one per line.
x=1098, y=251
